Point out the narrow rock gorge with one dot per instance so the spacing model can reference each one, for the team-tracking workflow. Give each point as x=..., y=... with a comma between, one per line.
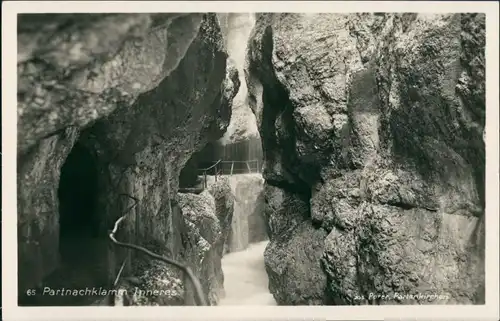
x=311, y=159
x=372, y=129
x=110, y=108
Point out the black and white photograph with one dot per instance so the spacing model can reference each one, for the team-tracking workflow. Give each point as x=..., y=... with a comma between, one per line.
x=254, y=158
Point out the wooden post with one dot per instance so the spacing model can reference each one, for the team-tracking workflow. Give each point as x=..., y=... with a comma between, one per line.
x=205, y=177
x=215, y=172
x=248, y=166
x=232, y=166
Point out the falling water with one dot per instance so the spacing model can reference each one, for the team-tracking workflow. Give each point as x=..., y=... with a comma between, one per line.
x=245, y=278
x=248, y=225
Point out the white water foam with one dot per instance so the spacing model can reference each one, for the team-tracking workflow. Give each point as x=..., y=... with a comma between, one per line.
x=246, y=188
x=245, y=277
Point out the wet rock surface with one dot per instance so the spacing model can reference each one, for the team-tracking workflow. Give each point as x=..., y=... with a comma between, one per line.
x=236, y=28
x=248, y=222
x=372, y=125
x=141, y=92
x=208, y=216
x=205, y=223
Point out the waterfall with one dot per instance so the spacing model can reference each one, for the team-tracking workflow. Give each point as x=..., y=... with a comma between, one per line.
x=245, y=277
x=248, y=225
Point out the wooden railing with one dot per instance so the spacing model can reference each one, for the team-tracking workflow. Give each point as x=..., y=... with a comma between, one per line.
x=252, y=166
x=211, y=170
x=218, y=168
x=188, y=274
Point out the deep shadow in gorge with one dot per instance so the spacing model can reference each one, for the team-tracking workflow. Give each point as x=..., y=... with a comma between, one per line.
x=83, y=248
x=77, y=195
x=165, y=91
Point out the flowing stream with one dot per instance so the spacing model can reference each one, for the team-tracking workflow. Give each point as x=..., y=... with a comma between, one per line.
x=245, y=277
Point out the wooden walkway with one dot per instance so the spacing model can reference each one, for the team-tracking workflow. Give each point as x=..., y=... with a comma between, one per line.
x=222, y=167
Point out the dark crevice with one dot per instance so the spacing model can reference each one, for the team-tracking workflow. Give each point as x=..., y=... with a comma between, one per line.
x=303, y=190
x=78, y=194
x=189, y=177
x=83, y=250
x=406, y=206
x=278, y=129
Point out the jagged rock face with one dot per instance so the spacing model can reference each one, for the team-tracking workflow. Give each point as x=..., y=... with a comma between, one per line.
x=224, y=208
x=141, y=92
x=236, y=30
x=208, y=232
x=292, y=258
x=74, y=68
x=204, y=223
x=373, y=125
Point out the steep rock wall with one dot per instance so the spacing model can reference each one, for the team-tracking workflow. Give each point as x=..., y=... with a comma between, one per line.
x=141, y=92
x=203, y=223
x=236, y=30
x=372, y=128
x=213, y=223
